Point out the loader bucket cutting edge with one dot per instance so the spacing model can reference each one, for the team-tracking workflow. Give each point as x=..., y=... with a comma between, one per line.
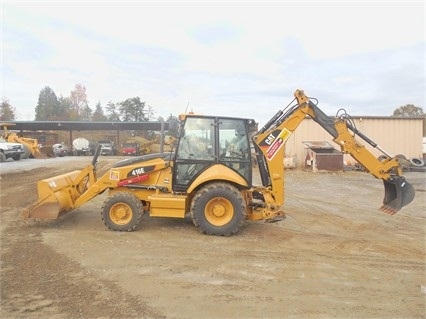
x=44, y=152
x=43, y=210
x=398, y=193
x=56, y=197
x=38, y=154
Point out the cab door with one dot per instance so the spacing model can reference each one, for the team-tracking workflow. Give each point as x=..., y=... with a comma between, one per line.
x=195, y=152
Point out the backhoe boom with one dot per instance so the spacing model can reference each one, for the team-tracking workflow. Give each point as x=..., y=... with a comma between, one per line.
x=269, y=145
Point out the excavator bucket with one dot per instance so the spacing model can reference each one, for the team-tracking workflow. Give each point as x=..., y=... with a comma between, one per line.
x=398, y=193
x=56, y=196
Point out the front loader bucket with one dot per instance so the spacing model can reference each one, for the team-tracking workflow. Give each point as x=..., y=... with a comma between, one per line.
x=56, y=196
x=35, y=152
x=398, y=193
x=43, y=152
x=47, y=151
x=38, y=154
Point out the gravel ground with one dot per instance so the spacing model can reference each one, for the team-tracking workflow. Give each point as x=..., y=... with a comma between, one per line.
x=334, y=256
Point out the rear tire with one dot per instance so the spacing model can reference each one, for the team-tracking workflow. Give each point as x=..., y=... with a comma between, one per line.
x=28, y=152
x=122, y=212
x=25, y=155
x=218, y=209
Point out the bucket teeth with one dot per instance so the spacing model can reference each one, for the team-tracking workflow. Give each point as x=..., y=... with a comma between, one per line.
x=388, y=210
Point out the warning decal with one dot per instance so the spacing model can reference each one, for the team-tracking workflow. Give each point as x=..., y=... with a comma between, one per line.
x=278, y=143
x=114, y=175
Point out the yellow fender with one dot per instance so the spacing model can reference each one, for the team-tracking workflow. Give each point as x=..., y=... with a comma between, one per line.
x=217, y=172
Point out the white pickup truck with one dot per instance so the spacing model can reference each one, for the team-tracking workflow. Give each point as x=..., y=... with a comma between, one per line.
x=10, y=150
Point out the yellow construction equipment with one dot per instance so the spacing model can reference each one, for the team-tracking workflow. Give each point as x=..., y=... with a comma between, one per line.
x=31, y=145
x=209, y=175
x=137, y=145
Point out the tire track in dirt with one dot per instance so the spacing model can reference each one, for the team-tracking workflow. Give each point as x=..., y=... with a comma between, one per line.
x=334, y=256
x=37, y=281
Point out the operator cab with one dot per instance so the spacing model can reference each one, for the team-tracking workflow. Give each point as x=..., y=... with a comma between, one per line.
x=205, y=141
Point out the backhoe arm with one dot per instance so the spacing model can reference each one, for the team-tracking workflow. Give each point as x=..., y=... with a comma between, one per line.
x=398, y=192
x=269, y=145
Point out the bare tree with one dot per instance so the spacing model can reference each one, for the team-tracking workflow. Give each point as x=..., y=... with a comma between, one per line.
x=79, y=101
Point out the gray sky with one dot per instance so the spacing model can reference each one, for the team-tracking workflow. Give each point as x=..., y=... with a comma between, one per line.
x=242, y=58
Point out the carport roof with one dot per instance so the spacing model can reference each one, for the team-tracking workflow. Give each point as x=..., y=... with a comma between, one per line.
x=83, y=126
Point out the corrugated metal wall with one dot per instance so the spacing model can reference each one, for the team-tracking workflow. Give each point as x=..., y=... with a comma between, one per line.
x=394, y=135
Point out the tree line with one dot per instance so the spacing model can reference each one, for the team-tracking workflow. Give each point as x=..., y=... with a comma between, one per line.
x=75, y=107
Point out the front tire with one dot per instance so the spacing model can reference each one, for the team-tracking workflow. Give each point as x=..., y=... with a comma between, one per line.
x=122, y=212
x=218, y=209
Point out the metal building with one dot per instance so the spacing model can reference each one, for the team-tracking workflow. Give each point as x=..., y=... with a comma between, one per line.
x=395, y=135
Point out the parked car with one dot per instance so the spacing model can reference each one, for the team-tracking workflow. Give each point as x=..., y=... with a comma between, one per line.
x=107, y=147
x=10, y=150
x=59, y=150
x=130, y=148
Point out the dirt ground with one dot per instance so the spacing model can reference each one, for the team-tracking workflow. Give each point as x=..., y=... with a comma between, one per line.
x=335, y=256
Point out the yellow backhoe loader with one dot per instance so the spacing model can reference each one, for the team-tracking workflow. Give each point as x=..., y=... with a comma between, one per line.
x=209, y=174
x=30, y=144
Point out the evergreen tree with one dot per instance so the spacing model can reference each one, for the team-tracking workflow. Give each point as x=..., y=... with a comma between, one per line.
x=112, y=113
x=7, y=111
x=133, y=110
x=86, y=113
x=98, y=115
x=64, y=108
x=173, y=125
x=48, y=107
